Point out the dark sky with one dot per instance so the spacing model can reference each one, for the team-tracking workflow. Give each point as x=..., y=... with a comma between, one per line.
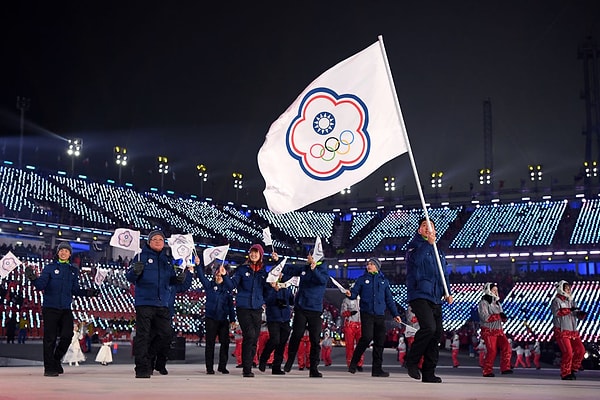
x=201, y=82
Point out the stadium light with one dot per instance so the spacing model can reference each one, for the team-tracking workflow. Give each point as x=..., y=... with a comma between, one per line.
x=120, y=159
x=591, y=169
x=485, y=176
x=163, y=169
x=238, y=183
x=436, y=179
x=203, y=175
x=389, y=183
x=535, y=172
x=74, y=149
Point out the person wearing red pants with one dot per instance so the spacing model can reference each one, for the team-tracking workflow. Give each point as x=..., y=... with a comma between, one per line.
x=304, y=352
x=482, y=352
x=350, y=311
x=536, y=354
x=413, y=323
x=326, y=348
x=491, y=317
x=455, y=346
x=401, y=350
x=565, y=314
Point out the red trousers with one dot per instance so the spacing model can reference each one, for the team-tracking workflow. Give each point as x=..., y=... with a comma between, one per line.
x=326, y=355
x=495, y=340
x=263, y=338
x=352, y=334
x=455, y=362
x=401, y=357
x=571, y=350
x=303, y=353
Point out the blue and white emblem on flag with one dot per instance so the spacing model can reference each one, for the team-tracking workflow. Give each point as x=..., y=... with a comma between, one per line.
x=329, y=134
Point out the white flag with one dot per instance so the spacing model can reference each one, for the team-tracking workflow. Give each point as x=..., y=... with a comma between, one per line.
x=126, y=239
x=339, y=130
x=338, y=285
x=267, y=236
x=101, y=274
x=182, y=248
x=213, y=253
x=276, y=271
x=8, y=263
x=293, y=281
x=318, y=250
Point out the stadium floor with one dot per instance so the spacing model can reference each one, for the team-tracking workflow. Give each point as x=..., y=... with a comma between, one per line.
x=22, y=377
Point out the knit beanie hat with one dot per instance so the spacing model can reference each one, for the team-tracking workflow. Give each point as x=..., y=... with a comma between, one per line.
x=64, y=245
x=376, y=262
x=258, y=248
x=154, y=233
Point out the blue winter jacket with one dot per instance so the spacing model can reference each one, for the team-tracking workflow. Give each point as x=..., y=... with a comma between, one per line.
x=312, y=285
x=60, y=282
x=219, y=300
x=179, y=288
x=250, y=286
x=153, y=285
x=375, y=294
x=277, y=304
x=423, y=279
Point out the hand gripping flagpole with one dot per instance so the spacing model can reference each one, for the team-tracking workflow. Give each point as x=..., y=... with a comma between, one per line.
x=412, y=160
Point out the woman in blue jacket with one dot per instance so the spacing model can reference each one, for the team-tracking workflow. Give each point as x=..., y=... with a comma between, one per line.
x=220, y=316
x=249, y=279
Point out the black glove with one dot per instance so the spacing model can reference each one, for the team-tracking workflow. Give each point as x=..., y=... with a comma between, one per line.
x=580, y=314
x=281, y=303
x=503, y=317
x=138, y=268
x=181, y=276
x=91, y=292
x=30, y=274
x=353, y=312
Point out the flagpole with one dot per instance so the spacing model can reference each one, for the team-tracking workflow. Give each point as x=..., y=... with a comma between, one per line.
x=410, y=156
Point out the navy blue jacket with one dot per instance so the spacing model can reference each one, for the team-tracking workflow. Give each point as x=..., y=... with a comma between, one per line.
x=60, y=282
x=278, y=304
x=179, y=288
x=312, y=285
x=153, y=285
x=250, y=286
x=219, y=300
x=375, y=294
x=423, y=279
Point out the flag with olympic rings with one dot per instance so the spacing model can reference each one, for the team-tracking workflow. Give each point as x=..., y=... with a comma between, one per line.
x=338, y=131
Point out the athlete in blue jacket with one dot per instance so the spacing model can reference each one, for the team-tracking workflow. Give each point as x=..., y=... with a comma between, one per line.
x=60, y=282
x=307, y=310
x=375, y=296
x=425, y=291
x=154, y=276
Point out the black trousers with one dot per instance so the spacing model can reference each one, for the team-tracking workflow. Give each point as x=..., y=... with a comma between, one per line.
x=152, y=336
x=216, y=329
x=250, y=321
x=279, y=332
x=428, y=336
x=56, y=323
x=311, y=320
x=372, y=328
